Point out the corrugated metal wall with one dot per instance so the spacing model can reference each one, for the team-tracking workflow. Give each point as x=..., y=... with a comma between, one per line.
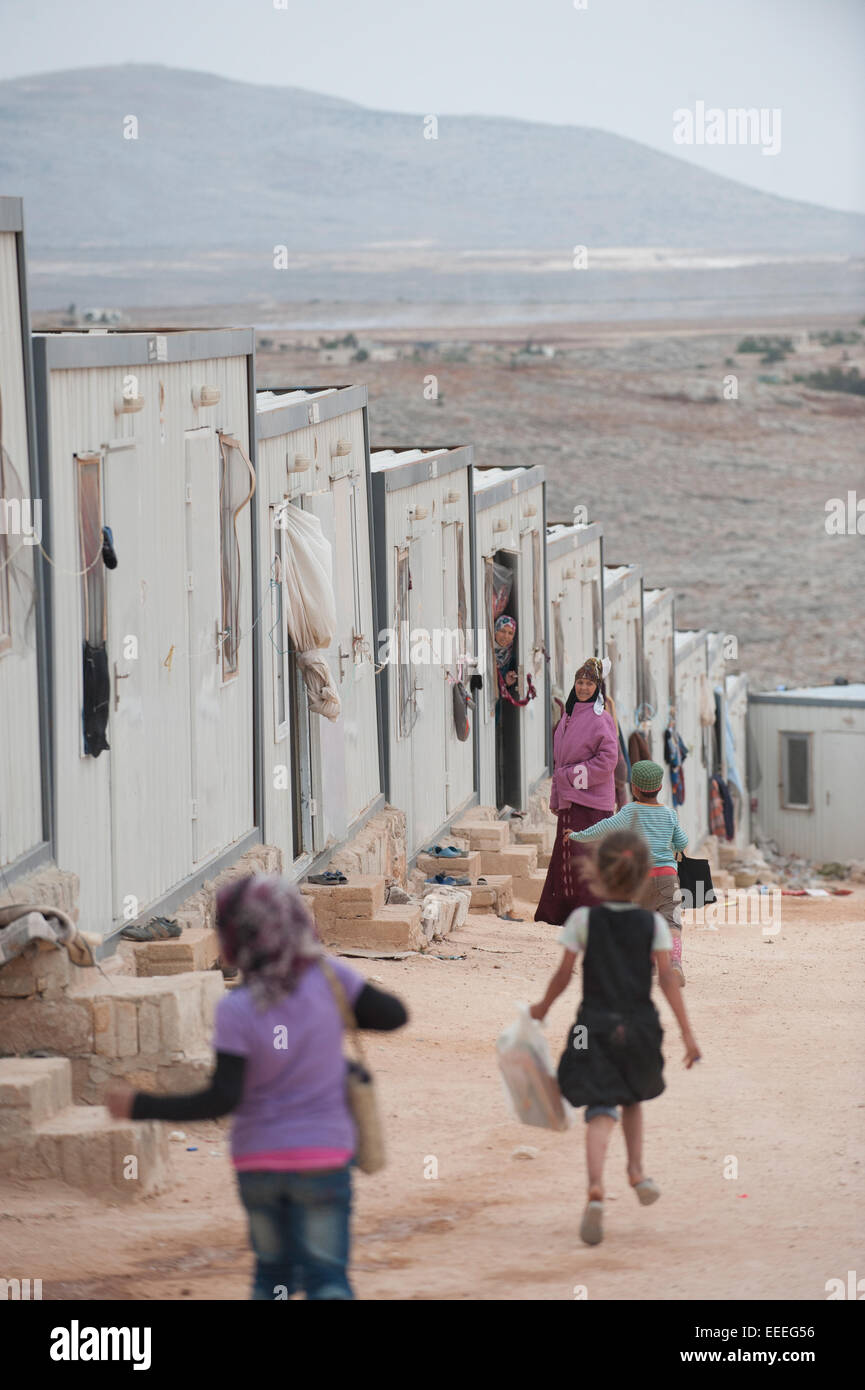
x=622, y=631
x=140, y=794
x=571, y=577
x=658, y=658
x=693, y=813
x=431, y=771
x=20, y=785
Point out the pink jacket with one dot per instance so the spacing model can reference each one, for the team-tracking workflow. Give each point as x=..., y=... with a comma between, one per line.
x=586, y=740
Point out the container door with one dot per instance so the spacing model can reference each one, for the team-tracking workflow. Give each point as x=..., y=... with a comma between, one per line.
x=841, y=828
x=203, y=583
x=328, y=736
x=149, y=697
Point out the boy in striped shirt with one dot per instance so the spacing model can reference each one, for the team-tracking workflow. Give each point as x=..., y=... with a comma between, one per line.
x=660, y=827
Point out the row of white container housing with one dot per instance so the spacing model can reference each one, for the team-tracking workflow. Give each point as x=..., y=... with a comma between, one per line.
x=160, y=711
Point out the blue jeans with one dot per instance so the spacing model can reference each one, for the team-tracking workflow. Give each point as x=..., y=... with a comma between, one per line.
x=299, y=1232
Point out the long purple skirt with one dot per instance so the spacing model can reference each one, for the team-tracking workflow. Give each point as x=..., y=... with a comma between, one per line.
x=565, y=888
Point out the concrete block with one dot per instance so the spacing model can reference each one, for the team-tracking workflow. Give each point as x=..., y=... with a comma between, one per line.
x=466, y=864
x=544, y=857
x=392, y=929
x=196, y=949
x=126, y=1021
x=45, y=1025
x=32, y=1090
x=41, y=968
x=530, y=837
x=530, y=888
x=362, y=897
x=495, y=895
x=104, y=1028
x=518, y=860
x=484, y=835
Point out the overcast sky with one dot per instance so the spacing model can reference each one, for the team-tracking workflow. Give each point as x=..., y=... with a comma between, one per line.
x=620, y=65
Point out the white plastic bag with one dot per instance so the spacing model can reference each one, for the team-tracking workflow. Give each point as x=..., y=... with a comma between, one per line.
x=529, y=1076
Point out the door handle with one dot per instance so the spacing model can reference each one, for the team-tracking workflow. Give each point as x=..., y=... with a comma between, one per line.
x=118, y=677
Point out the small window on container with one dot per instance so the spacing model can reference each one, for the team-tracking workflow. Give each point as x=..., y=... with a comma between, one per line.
x=93, y=597
x=796, y=771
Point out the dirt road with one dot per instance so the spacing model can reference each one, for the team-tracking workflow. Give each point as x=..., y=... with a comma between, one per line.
x=779, y=1091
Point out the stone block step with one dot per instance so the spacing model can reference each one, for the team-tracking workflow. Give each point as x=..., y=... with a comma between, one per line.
x=467, y=864
x=196, y=949
x=517, y=860
x=44, y=1137
x=483, y=835
x=122, y=1026
x=530, y=837
x=362, y=896
x=393, y=928
x=494, y=895
x=544, y=857
x=530, y=888
x=32, y=1091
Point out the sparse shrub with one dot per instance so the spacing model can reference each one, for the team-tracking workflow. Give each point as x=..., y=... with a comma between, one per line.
x=835, y=379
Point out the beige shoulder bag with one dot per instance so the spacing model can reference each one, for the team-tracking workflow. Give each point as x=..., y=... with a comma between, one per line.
x=360, y=1086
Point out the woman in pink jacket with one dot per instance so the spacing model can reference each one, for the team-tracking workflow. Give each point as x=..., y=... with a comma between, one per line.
x=585, y=753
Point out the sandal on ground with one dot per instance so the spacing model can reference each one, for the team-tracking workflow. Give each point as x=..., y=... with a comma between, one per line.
x=509, y=917
x=446, y=852
x=592, y=1224
x=328, y=879
x=679, y=974
x=647, y=1191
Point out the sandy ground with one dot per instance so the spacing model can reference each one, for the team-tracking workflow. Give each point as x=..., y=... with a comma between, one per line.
x=780, y=1090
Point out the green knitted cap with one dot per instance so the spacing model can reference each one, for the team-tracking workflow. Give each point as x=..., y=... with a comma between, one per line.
x=647, y=776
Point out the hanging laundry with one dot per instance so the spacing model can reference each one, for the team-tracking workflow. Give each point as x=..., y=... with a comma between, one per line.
x=638, y=748
x=727, y=802
x=730, y=754
x=97, y=692
x=675, y=753
x=716, y=810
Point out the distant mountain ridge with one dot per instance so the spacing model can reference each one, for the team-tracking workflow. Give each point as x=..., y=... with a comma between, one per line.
x=225, y=165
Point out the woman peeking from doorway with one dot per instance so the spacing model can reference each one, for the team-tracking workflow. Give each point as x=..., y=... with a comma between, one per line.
x=585, y=753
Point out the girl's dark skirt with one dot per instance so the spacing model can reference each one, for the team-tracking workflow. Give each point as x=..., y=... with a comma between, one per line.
x=616, y=1060
x=565, y=887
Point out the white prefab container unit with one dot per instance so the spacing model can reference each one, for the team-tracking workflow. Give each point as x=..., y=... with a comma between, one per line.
x=576, y=603
x=692, y=693
x=321, y=777
x=810, y=745
x=148, y=434
x=422, y=522
x=510, y=531
x=624, y=641
x=25, y=811
x=659, y=691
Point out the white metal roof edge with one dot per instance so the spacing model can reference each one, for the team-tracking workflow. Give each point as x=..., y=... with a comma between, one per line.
x=340, y=400
x=630, y=574
x=64, y=351
x=793, y=697
x=498, y=492
x=448, y=458
x=572, y=538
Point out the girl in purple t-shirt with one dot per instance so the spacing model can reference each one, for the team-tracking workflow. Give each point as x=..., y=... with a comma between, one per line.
x=280, y=1071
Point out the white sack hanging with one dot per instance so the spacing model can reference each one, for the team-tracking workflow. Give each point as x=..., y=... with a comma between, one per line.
x=310, y=604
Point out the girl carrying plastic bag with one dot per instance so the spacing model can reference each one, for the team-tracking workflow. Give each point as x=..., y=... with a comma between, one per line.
x=529, y=1075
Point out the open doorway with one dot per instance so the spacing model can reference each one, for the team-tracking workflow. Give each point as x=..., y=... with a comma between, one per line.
x=503, y=603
